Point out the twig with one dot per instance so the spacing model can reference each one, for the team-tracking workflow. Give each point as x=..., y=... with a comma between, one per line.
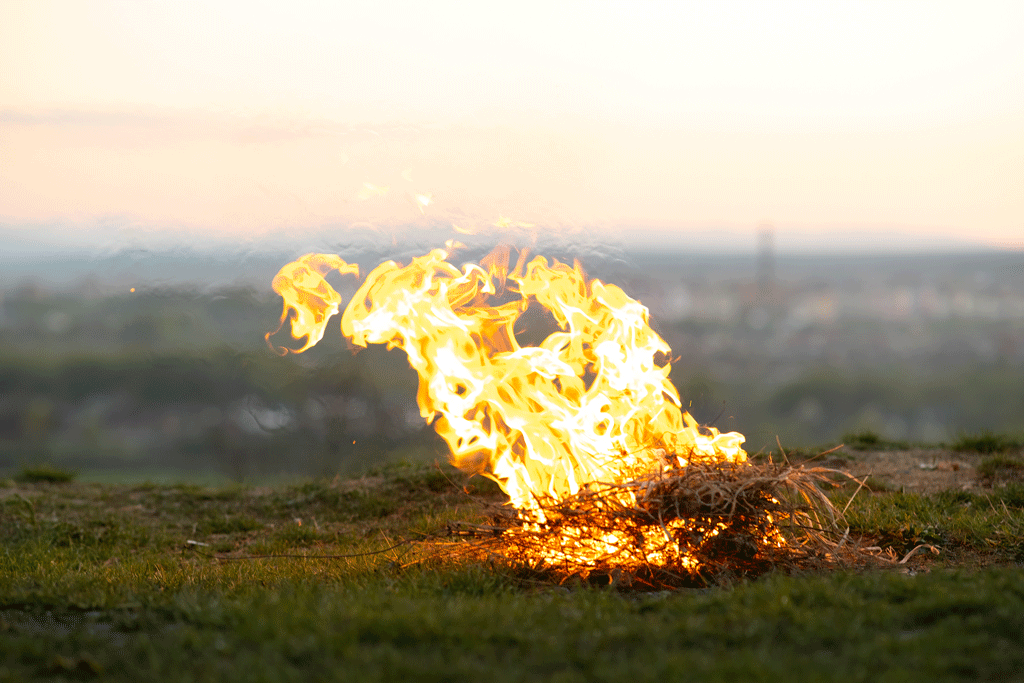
x=933, y=549
x=824, y=453
x=847, y=506
x=192, y=545
x=388, y=540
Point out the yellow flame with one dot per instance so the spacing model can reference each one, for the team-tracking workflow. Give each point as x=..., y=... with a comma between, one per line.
x=591, y=402
x=310, y=298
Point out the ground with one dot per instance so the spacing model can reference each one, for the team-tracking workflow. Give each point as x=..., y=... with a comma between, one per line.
x=920, y=470
x=122, y=583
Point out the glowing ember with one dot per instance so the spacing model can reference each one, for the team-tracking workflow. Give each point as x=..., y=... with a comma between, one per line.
x=588, y=409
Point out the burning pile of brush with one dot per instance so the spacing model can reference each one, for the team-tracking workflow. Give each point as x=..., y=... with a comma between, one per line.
x=676, y=501
x=684, y=525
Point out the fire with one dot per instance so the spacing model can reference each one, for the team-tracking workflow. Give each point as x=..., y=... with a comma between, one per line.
x=590, y=406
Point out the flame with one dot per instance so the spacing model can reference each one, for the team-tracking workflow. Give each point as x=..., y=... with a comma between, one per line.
x=590, y=403
x=302, y=285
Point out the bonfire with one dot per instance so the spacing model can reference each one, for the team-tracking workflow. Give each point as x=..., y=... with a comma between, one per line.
x=605, y=473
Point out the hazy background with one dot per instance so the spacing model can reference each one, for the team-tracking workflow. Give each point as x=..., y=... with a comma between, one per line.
x=820, y=203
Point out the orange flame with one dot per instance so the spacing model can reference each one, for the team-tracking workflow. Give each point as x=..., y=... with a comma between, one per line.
x=589, y=403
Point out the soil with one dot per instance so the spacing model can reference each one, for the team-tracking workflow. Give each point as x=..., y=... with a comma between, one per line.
x=920, y=470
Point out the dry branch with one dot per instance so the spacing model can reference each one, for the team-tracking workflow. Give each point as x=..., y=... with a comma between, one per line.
x=688, y=525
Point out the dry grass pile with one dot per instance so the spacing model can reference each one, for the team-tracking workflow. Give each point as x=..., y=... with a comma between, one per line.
x=691, y=525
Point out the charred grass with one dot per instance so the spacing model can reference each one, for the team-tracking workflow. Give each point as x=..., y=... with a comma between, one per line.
x=174, y=583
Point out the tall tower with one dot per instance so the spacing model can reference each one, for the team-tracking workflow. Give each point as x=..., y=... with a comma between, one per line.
x=766, y=265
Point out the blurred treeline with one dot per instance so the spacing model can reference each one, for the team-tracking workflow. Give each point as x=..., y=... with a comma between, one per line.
x=177, y=382
x=826, y=405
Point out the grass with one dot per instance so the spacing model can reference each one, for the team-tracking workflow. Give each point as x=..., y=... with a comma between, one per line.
x=986, y=442
x=868, y=440
x=1001, y=468
x=100, y=582
x=45, y=473
x=960, y=522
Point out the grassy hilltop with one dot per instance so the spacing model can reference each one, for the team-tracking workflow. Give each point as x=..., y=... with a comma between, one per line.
x=122, y=583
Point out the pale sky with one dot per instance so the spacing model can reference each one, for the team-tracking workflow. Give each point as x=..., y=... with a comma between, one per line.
x=245, y=117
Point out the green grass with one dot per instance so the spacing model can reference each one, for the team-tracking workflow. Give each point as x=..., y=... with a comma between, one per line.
x=100, y=582
x=986, y=442
x=1001, y=468
x=45, y=473
x=154, y=475
x=868, y=440
x=957, y=521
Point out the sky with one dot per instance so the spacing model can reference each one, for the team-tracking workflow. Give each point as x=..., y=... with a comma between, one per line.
x=857, y=123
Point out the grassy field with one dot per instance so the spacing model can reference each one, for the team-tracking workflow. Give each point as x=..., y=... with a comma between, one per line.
x=108, y=582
